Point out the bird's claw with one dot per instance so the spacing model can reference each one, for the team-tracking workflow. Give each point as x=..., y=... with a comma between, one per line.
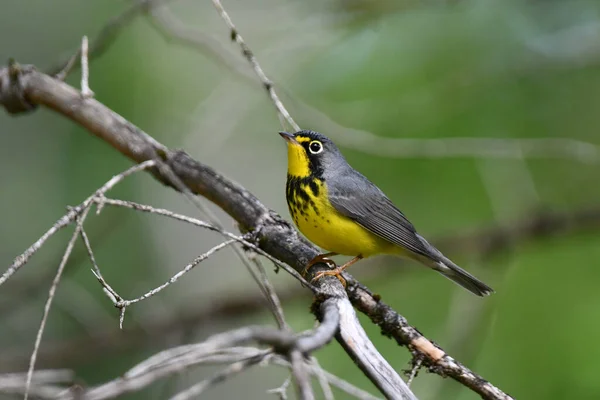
x=337, y=272
x=319, y=259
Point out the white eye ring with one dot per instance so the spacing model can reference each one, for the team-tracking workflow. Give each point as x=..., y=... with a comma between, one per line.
x=315, y=147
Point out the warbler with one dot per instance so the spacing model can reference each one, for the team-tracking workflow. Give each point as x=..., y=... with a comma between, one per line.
x=341, y=211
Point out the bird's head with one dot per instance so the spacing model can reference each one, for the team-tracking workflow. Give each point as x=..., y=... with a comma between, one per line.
x=310, y=154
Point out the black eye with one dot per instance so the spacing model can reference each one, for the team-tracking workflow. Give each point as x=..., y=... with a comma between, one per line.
x=315, y=147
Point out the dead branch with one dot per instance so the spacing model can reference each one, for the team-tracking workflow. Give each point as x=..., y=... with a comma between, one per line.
x=47, y=384
x=435, y=358
x=178, y=359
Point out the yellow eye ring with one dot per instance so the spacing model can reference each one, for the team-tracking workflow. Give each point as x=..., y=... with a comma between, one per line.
x=315, y=147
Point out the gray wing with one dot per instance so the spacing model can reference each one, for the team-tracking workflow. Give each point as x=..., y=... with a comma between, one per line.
x=355, y=197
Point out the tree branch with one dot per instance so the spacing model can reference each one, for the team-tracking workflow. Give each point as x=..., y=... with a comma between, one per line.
x=434, y=357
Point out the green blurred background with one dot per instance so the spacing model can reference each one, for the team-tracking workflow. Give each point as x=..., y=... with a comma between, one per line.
x=397, y=69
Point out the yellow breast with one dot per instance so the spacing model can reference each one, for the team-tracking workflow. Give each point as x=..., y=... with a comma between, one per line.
x=316, y=218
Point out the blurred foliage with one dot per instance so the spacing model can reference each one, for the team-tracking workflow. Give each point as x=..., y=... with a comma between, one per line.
x=491, y=68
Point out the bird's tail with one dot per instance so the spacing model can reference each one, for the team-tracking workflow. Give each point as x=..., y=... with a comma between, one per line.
x=460, y=276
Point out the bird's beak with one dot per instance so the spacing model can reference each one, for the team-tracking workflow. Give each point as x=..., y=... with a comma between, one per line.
x=289, y=137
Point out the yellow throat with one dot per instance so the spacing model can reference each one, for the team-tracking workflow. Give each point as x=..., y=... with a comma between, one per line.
x=298, y=163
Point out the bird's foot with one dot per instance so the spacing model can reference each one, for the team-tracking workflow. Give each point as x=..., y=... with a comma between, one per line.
x=337, y=272
x=321, y=258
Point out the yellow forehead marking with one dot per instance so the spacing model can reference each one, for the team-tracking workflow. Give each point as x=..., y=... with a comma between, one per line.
x=297, y=161
x=302, y=139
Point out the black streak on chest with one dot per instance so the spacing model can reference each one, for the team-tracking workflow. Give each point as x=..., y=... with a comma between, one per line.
x=297, y=197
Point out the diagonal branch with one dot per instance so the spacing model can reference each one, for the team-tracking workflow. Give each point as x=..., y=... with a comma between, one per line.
x=434, y=357
x=249, y=55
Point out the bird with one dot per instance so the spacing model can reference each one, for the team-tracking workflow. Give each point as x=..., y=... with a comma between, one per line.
x=341, y=211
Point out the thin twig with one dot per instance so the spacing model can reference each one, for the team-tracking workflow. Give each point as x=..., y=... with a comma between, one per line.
x=39, y=377
x=197, y=222
x=249, y=55
x=323, y=382
x=64, y=72
x=345, y=386
x=51, y=293
x=172, y=29
x=86, y=92
x=233, y=369
x=281, y=391
x=414, y=371
x=68, y=218
x=174, y=278
x=270, y=293
x=107, y=289
x=123, y=304
x=24, y=257
x=300, y=374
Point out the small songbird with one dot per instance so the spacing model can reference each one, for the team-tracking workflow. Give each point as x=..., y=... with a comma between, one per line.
x=341, y=211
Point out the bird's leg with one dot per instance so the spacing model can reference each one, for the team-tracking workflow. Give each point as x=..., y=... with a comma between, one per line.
x=324, y=258
x=337, y=272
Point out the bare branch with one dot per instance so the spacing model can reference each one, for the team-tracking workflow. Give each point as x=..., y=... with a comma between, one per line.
x=38, y=378
x=233, y=369
x=323, y=382
x=336, y=381
x=281, y=391
x=414, y=370
x=355, y=341
x=300, y=374
x=270, y=292
x=249, y=55
x=15, y=383
x=85, y=70
x=107, y=289
x=23, y=258
x=394, y=325
x=180, y=358
x=172, y=29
